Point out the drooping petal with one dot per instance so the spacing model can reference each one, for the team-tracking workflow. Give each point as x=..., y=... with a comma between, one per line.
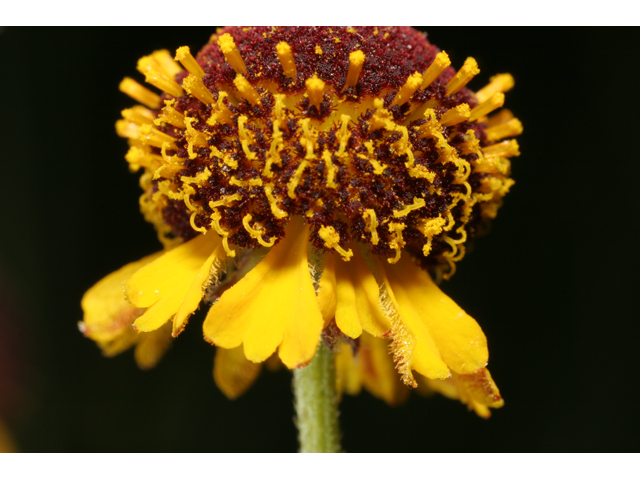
x=275, y=304
x=233, y=373
x=327, y=292
x=180, y=299
x=107, y=315
x=152, y=346
x=348, y=377
x=477, y=390
x=358, y=297
x=158, y=278
x=458, y=338
x=413, y=346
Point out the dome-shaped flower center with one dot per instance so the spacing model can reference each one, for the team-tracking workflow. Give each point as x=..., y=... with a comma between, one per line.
x=368, y=134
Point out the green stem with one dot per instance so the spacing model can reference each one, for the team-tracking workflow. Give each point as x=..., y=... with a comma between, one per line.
x=316, y=402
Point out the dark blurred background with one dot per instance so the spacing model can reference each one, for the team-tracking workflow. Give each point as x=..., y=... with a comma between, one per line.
x=552, y=285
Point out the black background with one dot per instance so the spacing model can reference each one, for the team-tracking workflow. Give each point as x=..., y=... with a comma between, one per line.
x=552, y=285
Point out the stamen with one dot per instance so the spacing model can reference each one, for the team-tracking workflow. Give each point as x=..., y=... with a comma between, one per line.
x=256, y=232
x=293, y=183
x=465, y=74
x=499, y=118
x=456, y=115
x=485, y=108
x=138, y=115
x=155, y=75
x=382, y=118
x=252, y=182
x=397, y=243
x=274, y=151
x=166, y=63
x=508, y=148
x=285, y=55
x=308, y=138
x=273, y=202
x=154, y=137
x=343, y=134
x=332, y=241
x=408, y=89
x=499, y=83
x=435, y=69
x=170, y=115
x=371, y=220
x=139, y=93
x=231, y=53
x=183, y=55
x=199, y=179
x=245, y=137
x=330, y=168
x=128, y=129
x=193, y=85
x=246, y=90
x=192, y=221
x=417, y=204
x=226, y=201
x=215, y=224
x=356, y=61
x=315, y=90
x=220, y=113
x=137, y=157
x=511, y=128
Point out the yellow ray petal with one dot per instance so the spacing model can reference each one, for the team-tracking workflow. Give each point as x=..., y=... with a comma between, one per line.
x=274, y=304
x=458, y=337
x=348, y=377
x=233, y=373
x=358, y=297
x=210, y=269
x=152, y=346
x=106, y=312
x=327, y=291
x=153, y=281
x=378, y=371
x=422, y=355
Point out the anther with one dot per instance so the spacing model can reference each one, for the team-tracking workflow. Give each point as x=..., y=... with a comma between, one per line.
x=246, y=90
x=331, y=240
x=435, y=69
x=154, y=137
x=285, y=55
x=315, y=90
x=293, y=183
x=183, y=55
x=417, y=204
x=231, y=53
x=496, y=101
x=455, y=115
x=465, y=74
x=508, y=148
x=408, y=89
x=139, y=93
x=371, y=220
x=511, y=128
x=170, y=115
x=138, y=115
x=330, y=169
x=343, y=134
x=220, y=113
x=499, y=83
x=256, y=232
x=356, y=61
x=193, y=85
x=166, y=63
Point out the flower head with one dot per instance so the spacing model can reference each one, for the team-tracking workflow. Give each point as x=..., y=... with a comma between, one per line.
x=312, y=179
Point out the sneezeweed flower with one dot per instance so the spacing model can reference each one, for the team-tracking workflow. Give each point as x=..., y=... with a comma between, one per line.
x=313, y=185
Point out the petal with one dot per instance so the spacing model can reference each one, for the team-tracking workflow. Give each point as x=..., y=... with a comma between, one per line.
x=274, y=304
x=414, y=348
x=152, y=346
x=233, y=373
x=458, y=337
x=107, y=315
x=327, y=291
x=358, y=297
x=378, y=371
x=348, y=377
x=183, y=297
x=153, y=281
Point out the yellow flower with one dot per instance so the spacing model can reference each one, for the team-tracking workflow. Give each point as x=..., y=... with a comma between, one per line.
x=307, y=180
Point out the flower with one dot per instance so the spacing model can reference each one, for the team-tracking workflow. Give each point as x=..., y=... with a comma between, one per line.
x=306, y=180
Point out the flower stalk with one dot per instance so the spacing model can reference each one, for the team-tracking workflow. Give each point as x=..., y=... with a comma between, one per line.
x=316, y=403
